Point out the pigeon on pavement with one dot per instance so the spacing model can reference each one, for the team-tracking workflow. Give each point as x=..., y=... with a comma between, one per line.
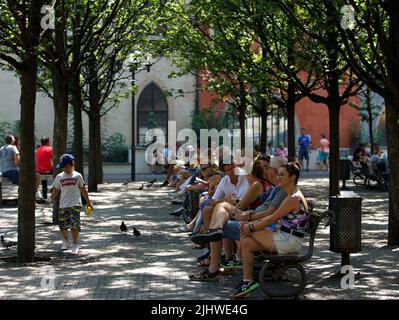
x=142, y=187
x=7, y=244
x=136, y=233
x=123, y=227
x=151, y=182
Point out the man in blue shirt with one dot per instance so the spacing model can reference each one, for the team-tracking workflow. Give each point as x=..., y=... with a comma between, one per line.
x=304, y=145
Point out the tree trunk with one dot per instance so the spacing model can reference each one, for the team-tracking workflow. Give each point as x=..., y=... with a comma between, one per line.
x=392, y=128
x=241, y=113
x=370, y=118
x=290, y=107
x=94, y=150
x=26, y=198
x=334, y=110
x=77, y=104
x=263, y=133
x=60, y=102
x=99, y=160
x=241, y=118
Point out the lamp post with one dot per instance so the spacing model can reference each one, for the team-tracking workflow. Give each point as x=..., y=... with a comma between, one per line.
x=133, y=70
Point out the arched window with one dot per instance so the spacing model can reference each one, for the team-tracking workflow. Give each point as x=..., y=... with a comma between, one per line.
x=152, y=112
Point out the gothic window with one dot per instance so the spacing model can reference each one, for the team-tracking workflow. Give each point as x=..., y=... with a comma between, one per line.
x=152, y=112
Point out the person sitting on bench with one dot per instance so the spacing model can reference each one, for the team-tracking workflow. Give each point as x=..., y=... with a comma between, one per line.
x=293, y=218
x=10, y=160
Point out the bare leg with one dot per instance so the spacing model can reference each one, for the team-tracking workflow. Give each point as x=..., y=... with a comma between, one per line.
x=191, y=225
x=216, y=251
x=65, y=234
x=206, y=217
x=220, y=215
x=228, y=248
x=238, y=253
x=75, y=235
x=250, y=246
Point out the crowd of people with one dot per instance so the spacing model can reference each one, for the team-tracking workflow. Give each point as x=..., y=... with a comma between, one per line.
x=370, y=162
x=239, y=215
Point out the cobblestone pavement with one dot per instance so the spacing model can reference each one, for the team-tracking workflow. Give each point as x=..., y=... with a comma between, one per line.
x=117, y=266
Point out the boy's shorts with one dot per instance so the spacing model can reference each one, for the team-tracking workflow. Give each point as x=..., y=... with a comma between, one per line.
x=69, y=218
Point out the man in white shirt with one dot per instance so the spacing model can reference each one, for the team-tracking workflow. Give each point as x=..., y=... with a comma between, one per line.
x=231, y=189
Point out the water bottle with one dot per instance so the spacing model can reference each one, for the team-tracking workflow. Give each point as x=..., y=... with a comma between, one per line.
x=88, y=211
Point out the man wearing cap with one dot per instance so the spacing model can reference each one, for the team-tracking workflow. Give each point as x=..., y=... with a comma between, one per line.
x=69, y=184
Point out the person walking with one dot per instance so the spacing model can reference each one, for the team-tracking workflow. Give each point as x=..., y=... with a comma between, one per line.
x=324, y=151
x=304, y=144
x=68, y=185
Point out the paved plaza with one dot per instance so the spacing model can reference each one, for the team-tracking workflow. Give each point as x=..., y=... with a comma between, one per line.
x=118, y=266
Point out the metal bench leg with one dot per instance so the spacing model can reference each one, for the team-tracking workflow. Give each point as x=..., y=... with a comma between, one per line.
x=283, y=279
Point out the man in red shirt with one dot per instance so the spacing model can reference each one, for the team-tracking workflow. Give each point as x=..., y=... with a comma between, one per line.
x=44, y=156
x=44, y=162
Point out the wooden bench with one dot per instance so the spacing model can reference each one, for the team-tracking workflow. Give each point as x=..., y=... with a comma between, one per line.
x=282, y=275
x=8, y=191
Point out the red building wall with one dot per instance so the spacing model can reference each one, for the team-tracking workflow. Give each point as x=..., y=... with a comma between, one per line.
x=314, y=117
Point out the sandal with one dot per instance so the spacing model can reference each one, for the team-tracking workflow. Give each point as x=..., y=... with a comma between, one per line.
x=205, y=276
x=204, y=256
x=199, y=246
x=204, y=263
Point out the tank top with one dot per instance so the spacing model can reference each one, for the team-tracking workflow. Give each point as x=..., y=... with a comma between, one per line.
x=297, y=220
x=266, y=185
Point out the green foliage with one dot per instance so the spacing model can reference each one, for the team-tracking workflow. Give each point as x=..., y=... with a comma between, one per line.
x=152, y=123
x=115, y=148
x=7, y=128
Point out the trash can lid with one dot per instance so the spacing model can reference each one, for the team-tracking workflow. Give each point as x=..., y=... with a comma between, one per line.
x=348, y=194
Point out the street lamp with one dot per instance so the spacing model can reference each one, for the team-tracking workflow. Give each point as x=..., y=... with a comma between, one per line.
x=134, y=67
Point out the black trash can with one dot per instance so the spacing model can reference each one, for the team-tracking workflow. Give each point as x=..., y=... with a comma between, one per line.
x=346, y=232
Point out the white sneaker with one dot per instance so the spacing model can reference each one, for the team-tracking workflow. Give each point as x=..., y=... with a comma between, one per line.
x=75, y=248
x=64, y=245
x=38, y=196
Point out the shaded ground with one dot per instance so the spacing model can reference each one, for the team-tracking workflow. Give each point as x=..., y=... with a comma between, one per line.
x=116, y=266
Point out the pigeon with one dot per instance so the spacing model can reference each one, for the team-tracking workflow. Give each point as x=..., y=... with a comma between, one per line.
x=123, y=227
x=125, y=183
x=150, y=183
x=141, y=188
x=136, y=233
x=7, y=244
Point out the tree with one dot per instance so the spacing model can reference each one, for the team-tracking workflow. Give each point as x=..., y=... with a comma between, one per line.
x=103, y=73
x=20, y=38
x=211, y=43
x=371, y=46
x=368, y=112
x=322, y=47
